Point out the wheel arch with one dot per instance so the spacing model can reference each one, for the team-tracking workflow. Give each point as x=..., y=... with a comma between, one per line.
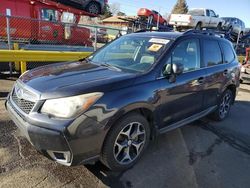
x=144, y=109
x=233, y=89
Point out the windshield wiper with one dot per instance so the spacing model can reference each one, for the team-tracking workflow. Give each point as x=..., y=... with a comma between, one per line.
x=110, y=66
x=85, y=59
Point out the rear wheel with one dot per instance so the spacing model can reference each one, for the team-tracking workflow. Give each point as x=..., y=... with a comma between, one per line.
x=126, y=142
x=224, y=106
x=219, y=27
x=198, y=26
x=93, y=8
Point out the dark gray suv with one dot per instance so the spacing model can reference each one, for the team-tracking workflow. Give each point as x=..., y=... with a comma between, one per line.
x=108, y=106
x=92, y=6
x=235, y=26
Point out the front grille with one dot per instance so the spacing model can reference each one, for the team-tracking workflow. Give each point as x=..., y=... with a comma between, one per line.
x=25, y=105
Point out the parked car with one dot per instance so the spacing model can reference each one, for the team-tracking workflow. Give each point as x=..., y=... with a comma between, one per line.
x=92, y=6
x=197, y=18
x=152, y=15
x=245, y=68
x=108, y=106
x=102, y=35
x=234, y=26
x=244, y=43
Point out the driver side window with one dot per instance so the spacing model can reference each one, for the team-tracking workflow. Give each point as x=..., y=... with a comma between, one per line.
x=186, y=53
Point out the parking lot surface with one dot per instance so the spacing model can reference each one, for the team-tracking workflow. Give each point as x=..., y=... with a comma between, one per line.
x=201, y=154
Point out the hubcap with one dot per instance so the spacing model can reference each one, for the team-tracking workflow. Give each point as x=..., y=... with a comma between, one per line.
x=129, y=143
x=93, y=9
x=225, y=105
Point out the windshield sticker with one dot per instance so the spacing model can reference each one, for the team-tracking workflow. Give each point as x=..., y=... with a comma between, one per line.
x=159, y=41
x=155, y=47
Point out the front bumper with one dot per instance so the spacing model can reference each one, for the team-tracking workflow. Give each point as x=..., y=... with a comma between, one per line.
x=245, y=76
x=73, y=142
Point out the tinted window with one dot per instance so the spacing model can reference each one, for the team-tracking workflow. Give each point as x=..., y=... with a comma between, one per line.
x=212, y=53
x=228, y=52
x=49, y=15
x=212, y=14
x=208, y=13
x=188, y=54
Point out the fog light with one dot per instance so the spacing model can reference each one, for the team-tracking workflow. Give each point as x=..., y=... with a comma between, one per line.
x=62, y=157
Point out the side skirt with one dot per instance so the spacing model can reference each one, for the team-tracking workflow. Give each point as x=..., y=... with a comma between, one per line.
x=187, y=120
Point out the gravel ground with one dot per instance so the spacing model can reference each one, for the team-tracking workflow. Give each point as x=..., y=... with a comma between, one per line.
x=202, y=154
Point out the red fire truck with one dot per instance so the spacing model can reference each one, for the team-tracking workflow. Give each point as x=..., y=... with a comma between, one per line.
x=43, y=21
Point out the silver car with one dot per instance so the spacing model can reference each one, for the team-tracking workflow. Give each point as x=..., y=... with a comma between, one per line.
x=234, y=26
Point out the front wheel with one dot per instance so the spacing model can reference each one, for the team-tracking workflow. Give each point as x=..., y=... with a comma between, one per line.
x=126, y=142
x=224, y=106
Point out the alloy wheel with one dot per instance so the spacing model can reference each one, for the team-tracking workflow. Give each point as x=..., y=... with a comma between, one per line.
x=225, y=105
x=129, y=143
x=94, y=9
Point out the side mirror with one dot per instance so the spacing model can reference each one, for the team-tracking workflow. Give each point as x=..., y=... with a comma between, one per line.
x=178, y=68
x=217, y=15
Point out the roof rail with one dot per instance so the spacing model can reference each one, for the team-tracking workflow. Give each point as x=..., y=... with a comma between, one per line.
x=160, y=29
x=220, y=34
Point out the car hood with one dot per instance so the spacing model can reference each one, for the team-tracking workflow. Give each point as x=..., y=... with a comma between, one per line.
x=67, y=79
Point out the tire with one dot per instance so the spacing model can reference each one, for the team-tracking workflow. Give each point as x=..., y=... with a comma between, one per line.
x=219, y=27
x=198, y=26
x=93, y=8
x=119, y=150
x=224, y=106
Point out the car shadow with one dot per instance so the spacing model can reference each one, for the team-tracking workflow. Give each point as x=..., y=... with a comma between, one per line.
x=166, y=152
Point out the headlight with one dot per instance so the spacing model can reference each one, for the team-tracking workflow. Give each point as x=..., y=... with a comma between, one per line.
x=69, y=107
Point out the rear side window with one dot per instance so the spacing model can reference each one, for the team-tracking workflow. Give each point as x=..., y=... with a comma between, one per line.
x=212, y=53
x=228, y=52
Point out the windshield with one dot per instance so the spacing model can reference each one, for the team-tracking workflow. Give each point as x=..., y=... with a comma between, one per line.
x=196, y=12
x=136, y=54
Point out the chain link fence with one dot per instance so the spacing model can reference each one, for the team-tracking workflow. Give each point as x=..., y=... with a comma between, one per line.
x=51, y=35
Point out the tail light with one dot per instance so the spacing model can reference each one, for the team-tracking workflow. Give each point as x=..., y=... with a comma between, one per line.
x=190, y=18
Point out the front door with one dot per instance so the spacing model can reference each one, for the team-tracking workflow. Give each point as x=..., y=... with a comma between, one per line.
x=184, y=97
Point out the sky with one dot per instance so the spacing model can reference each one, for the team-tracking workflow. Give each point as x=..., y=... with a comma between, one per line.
x=225, y=8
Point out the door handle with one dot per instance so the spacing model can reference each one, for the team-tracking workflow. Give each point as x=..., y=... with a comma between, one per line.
x=201, y=80
x=225, y=72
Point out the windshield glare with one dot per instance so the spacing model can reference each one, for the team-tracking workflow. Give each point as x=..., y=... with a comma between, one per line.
x=131, y=53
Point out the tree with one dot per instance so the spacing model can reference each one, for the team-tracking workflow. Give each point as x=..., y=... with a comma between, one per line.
x=121, y=14
x=115, y=8
x=180, y=7
x=107, y=12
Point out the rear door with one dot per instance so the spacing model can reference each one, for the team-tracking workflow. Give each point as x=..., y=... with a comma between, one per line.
x=184, y=97
x=216, y=71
